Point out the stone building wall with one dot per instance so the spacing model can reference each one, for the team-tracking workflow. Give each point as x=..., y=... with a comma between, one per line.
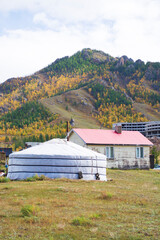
x=124, y=156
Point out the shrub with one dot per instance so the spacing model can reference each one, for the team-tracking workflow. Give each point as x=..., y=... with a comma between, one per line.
x=81, y=221
x=96, y=216
x=35, y=178
x=30, y=179
x=156, y=152
x=29, y=210
x=41, y=178
x=4, y=179
x=106, y=195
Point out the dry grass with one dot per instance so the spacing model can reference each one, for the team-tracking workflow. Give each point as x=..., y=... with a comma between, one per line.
x=76, y=109
x=149, y=112
x=125, y=208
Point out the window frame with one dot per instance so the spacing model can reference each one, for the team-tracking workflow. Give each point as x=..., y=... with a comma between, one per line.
x=110, y=152
x=139, y=152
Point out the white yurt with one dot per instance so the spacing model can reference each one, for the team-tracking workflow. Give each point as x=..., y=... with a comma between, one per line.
x=57, y=158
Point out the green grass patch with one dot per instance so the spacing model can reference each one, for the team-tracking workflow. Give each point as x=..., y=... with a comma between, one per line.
x=29, y=210
x=4, y=180
x=81, y=221
x=35, y=178
x=96, y=215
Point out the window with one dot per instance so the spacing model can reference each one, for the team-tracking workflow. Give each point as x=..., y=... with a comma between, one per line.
x=139, y=152
x=110, y=152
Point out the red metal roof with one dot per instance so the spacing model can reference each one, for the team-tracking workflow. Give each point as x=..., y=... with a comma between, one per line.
x=110, y=137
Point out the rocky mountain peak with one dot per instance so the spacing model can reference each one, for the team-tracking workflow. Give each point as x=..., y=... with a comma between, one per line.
x=96, y=56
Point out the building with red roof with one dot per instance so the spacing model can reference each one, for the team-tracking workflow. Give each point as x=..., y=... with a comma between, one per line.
x=123, y=149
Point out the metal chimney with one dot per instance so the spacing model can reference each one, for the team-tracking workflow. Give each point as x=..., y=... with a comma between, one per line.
x=67, y=130
x=118, y=129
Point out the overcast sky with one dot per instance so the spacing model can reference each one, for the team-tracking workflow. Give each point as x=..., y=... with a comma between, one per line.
x=34, y=33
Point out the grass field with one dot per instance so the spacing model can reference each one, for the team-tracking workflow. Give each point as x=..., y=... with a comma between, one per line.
x=128, y=207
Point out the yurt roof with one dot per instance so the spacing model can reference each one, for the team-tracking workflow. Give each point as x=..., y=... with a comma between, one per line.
x=57, y=148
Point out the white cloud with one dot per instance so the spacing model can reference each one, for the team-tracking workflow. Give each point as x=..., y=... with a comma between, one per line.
x=62, y=27
x=42, y=19
x=88, y=10
x=25, y=52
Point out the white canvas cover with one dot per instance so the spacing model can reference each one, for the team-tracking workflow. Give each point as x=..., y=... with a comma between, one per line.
x=57, y=158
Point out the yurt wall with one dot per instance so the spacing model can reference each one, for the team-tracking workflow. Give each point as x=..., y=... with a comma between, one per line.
x=57, y=159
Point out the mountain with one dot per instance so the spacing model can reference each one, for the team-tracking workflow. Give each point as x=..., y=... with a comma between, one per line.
x=91, y=87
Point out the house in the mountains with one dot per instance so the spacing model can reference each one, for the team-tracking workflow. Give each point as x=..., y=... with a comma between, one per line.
x=6, y=151
x=123, y=149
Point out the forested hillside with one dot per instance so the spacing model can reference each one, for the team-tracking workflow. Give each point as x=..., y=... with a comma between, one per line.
x=118, y=87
